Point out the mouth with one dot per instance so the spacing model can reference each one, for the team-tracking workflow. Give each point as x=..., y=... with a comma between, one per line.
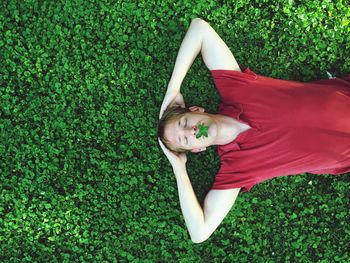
x=202, y=130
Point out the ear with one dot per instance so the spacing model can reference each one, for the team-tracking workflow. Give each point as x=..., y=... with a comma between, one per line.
x=197, y=150
x=196, y=109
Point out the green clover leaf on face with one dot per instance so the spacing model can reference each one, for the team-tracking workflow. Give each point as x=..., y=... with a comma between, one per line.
x=203, y=131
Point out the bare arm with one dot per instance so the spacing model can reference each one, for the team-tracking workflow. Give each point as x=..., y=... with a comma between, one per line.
x=200, y=37
x=200, y=222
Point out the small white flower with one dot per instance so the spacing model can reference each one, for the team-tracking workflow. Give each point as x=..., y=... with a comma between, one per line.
x=330, y=76
x=310, y=183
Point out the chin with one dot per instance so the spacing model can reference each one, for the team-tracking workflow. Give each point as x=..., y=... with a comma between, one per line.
x=212, y=130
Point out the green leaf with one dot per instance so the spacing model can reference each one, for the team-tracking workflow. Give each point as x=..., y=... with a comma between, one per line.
x=203, y=131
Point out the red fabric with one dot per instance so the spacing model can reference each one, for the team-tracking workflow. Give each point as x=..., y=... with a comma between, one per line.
x=296, y=127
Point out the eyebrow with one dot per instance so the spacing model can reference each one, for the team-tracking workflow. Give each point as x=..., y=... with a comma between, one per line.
x=179, y=138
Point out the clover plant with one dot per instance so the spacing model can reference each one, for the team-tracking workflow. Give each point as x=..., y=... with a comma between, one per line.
x=203, y=131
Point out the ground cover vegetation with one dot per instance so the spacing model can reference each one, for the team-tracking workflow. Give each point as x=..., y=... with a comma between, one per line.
x=82, y=177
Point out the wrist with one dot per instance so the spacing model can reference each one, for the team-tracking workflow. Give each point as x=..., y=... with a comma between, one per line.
x=173, y=88
x=179, y=169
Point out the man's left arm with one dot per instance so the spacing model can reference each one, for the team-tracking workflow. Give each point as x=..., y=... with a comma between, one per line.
x=200, y=222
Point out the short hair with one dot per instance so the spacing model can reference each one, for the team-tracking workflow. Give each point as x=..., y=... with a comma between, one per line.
x=170, y=114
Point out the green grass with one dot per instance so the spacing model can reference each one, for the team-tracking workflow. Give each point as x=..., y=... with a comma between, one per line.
x=82, y=177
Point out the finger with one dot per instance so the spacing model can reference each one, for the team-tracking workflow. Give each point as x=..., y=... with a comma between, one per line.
x=160, y=143
x=165, y=150
x=162, y=109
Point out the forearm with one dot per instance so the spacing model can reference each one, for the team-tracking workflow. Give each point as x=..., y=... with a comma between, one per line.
x=189, y=49
x=191, y=209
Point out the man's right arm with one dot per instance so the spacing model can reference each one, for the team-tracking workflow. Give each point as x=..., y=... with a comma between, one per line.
x=200, y=37
x=201, y=222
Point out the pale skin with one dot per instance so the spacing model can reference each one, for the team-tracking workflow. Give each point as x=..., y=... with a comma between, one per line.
x=201, y=38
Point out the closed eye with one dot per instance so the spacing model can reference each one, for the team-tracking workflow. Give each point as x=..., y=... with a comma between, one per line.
x=185, y=127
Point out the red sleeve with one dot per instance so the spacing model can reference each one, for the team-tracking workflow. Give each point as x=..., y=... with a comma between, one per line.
x=236, y=180
x=230, y=82
x=243, y=77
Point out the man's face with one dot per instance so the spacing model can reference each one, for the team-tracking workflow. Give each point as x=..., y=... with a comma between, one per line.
x=181, y=132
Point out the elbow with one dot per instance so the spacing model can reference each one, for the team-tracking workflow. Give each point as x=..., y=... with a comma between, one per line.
x=199, y=26
x=197, y=241
x=199, y=237
x=198, y=22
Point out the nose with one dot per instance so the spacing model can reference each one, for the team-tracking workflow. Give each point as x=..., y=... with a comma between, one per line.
x=191, y=130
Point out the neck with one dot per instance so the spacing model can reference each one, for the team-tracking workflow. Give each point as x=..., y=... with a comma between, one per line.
x=228, y=129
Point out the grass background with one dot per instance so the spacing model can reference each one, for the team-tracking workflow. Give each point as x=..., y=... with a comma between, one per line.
x=81, y=175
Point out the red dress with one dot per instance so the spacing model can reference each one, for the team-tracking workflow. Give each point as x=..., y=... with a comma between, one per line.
x=296, y=127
